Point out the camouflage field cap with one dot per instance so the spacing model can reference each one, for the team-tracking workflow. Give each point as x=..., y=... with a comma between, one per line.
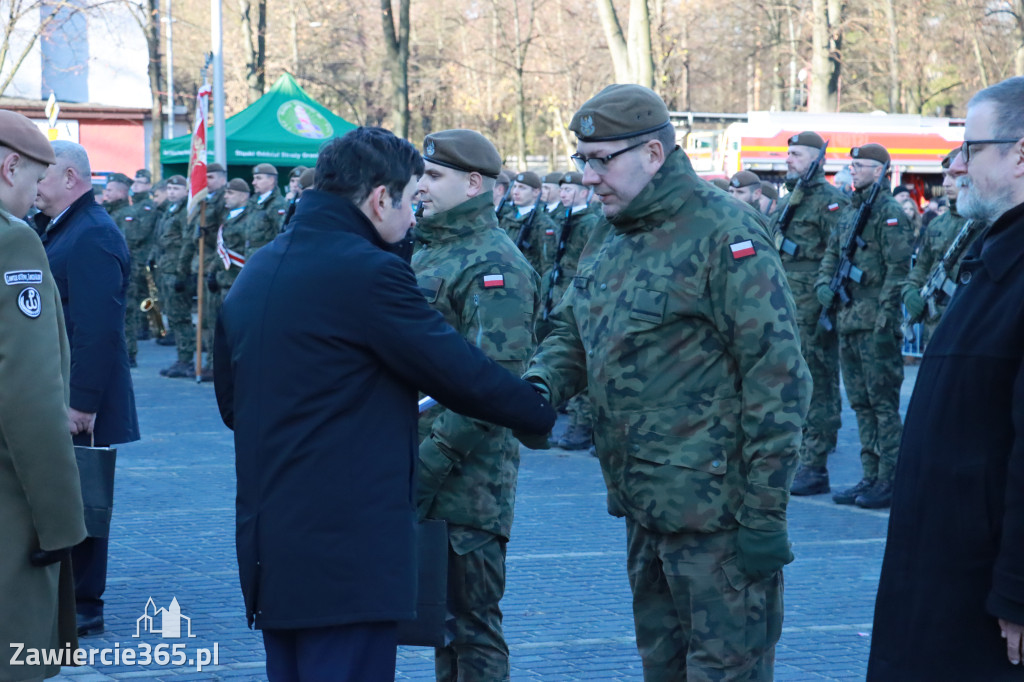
x=571, y=179
x=177, y=180
x=744, y=179
x=807, y=139
x=529, y=178
x=239, y=185
x=296, y=172
x=215, y=168
x=949, y=158
x=871, y=151
x=769, y=190
x=24, y=137
x=143, y=175
x=265, y=168
x=307, y=178
x=619, y=112
x=464, y=150
x=119, y=177
x=552, y=178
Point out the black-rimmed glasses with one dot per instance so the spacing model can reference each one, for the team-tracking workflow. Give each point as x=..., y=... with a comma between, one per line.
x=965, y=148
x=599, y=164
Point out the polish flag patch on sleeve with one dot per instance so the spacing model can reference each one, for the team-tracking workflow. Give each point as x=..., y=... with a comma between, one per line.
x=742, y=249
x=833, y=207
x=492, y=281
x=892, y=221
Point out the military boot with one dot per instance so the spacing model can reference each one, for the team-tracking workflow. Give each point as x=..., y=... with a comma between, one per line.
x=166, y=340
x=810, y=481
x=850, y=495
x=577, y=437
x=878, y=497
x=179, y=370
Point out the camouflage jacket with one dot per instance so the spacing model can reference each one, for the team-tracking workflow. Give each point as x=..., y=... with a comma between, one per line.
x=275, y=206
x=542, y=240
x=877, y=300
x=120, y=212
x=581, y=226
x=473, y=274
x=170, y=235
x=815, y=217
x=215, y=214
x=140, y=231
x=231, y=238
x=681, y=324
x=940, y=235
x=259, y=227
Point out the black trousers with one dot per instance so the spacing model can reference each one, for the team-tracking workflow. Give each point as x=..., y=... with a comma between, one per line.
x=360, y=652
x=89, y=561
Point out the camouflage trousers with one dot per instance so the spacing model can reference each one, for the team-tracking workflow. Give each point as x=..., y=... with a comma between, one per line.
x=178, y=308
x=581, y=413
x=211, y=308
x=697, y=616
x=138, y=289
x=873, y=373
x=477, y=651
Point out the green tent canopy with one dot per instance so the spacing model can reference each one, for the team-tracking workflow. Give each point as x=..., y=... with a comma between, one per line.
x=285, y=127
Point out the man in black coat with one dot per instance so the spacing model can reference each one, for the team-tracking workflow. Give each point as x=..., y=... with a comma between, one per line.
x=89, y=260
x=322, y=344
x=951, y=596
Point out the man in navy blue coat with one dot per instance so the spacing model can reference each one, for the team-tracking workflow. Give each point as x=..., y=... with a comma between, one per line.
x=321, y=347
x=89, y=260
x=951, y=595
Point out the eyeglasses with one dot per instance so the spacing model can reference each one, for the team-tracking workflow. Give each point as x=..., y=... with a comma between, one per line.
x=599, y=164
x=965, y=148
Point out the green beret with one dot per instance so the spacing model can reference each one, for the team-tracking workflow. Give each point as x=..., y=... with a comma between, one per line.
x=215, y=168
x=807, y=139
x=572, y=179
x=239, y=185
x=720, y=183
x=144, y=175
x=619, y=112
x=552, y=178
x=872, y=151
x=529, y=178
x=769, y=190
x=265, y=168
x=296, y=172
x=949, y=158
x=307, y=178
x=745, y=179
x=119, y=177
x=503, y=178
x=177, y=180
x=24, y=137
x=464, y=150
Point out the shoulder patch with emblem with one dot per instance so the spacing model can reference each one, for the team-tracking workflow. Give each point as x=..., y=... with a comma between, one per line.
x=742, y=249
x=492, y=281
x=833, y=207
x=29, y=302
x=23, y=277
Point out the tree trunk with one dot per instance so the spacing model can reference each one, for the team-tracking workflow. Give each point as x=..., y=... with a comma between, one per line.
x=1018, y=61
x=254, y=43
x=520, y=56
x=156, y=84
x=616, y=40
x=397, y=50
x=895, y=87
x=820, y=66
x=639, y=49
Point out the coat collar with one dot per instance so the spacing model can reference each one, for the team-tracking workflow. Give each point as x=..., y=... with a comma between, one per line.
x=87, y=199
x=473, y=215
x=320, y=210
x=661, y=198
x=1003, y=245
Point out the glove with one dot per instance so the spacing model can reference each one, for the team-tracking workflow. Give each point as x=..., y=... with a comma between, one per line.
x=211, y=283
x=536, y=441
x=825, y=295
x=45, y=557
x=179, y=285
x=435, y=465
x=762, y=553
x=915, y=304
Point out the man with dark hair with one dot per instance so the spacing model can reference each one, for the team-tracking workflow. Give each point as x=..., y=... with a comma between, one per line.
x=950, y=600
x=321, y=346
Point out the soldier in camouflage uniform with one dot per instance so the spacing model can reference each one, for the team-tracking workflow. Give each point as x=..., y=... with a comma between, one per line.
x=502, y=195
x=869, y=328
x=746, y=187
x=769, y=197
x=817, y=207
x=550, y=197
x=138, y=234
x=115, y=199
x=540, y=240
x=267, y=195
x=939, y=236
x=682, y=326
x=171, y=277
x=473, y=274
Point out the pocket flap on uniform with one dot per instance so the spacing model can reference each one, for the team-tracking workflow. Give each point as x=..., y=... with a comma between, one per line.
x=581, y=281
x=649, y=306
x=430, y=287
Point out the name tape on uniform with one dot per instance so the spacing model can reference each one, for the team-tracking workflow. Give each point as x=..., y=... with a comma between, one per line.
x=742, y=249
x=23, y=277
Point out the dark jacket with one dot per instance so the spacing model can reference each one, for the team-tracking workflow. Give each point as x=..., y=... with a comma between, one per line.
x=954, y=561
x=321, y=346
x=89, y=260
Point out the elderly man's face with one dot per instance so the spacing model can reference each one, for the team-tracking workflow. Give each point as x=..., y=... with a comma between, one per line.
x=624, y=176
x=987, y=183
x=54, y=189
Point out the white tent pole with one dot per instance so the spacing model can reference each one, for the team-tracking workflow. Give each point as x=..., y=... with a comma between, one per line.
x=220, y=146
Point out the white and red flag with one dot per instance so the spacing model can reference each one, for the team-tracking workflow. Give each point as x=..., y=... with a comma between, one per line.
x=197, y=157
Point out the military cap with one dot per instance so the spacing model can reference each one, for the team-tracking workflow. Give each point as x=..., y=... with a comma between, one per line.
x=217, y=168
x=900, y=189
x=265, y=168
x=159, y=185
x=619, y=112
x=307, y=178
x=769, y=190
x=177, y=180
x=504, y=178
x=119, y=177
x=571, y=179
x=949, y=158
x=529, y=178
x=552, y=178
x=720, y=183
x=807, y=139
x=745, y=179
x=871, y=151
x=464, y=150
x=297, y=172
x=239, y=185
x=144, y=175
x=24, y=137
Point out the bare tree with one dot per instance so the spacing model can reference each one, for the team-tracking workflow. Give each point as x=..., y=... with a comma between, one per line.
x=826, y=55
x=396, y=44
x=631, y=58
x=255, y=45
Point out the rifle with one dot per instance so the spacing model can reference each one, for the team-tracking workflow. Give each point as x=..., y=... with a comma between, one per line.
x=523, y=242
x=846, y=271
x=556, y=267
x=795, y=198
x=938, y=279
x=504, y=199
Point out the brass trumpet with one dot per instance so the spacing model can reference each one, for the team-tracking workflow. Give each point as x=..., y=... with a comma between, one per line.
x=151, y=305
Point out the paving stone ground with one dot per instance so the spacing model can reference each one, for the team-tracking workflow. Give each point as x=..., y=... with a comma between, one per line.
x=567, y=605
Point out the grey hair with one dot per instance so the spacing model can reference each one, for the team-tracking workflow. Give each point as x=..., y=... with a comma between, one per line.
x=1008, y=98
x=72, y=155
x=666, y=135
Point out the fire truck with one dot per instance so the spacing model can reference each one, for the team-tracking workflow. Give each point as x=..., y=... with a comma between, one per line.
x=916, y=144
